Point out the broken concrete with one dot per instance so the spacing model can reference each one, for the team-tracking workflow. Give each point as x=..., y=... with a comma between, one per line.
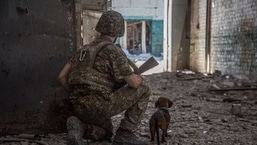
x=198, y=116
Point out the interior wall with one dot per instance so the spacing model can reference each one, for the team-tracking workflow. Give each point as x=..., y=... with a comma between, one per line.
x=36, y=40
x=233, y=37
x=198, y=35
x=179, y=48
x=89, y=21
x=157, y=37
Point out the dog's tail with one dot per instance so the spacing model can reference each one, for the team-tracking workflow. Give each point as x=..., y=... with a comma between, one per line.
x=157, y=132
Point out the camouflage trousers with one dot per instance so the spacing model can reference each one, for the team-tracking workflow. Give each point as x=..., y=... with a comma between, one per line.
x=98, y=110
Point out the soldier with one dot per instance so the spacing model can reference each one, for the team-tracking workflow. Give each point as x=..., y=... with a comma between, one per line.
x=101, y=84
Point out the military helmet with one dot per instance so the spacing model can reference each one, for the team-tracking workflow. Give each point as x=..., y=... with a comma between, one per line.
x=111, y=23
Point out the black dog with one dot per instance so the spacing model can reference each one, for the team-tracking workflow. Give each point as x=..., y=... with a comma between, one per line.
x=160, y=119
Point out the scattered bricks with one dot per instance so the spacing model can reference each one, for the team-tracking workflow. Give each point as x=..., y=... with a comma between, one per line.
x=29, y=136
x=229, y=84
x=236, y=109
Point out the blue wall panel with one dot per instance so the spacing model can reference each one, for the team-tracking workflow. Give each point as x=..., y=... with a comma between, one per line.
x=157, y=38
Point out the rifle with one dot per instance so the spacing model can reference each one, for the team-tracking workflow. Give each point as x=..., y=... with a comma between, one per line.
x=149, y=64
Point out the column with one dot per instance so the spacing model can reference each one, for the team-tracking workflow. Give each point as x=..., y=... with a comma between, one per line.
x=124, y=44
x=143, y=37
x=169, y=36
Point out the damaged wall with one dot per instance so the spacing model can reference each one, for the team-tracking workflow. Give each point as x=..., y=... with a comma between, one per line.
x=197, y=35
x=36, y=40
x=233, y=37
x=180, y=49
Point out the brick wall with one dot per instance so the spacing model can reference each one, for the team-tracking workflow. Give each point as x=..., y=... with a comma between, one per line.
x=233, y=37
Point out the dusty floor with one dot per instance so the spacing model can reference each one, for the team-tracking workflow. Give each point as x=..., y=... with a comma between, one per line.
x=199, y=116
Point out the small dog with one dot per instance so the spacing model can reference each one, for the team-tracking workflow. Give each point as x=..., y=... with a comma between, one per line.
x=160, y=119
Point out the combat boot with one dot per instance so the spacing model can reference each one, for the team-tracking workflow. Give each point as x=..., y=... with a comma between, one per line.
x=95, y=133
x=76, y=130
x=126, y=137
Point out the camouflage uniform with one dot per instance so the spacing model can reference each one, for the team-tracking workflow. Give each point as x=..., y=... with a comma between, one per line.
x=95, y=103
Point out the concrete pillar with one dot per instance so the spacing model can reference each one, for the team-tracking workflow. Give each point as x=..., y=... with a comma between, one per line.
x=165, y=35
x=143, y=37
x=169, y=69
x=167, y=41
x=123, y=39
x=125, y=36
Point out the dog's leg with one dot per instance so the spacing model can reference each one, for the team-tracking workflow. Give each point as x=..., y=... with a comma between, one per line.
x=157, y=132
x=166, y=132
x=163, y=136
x=152, y=130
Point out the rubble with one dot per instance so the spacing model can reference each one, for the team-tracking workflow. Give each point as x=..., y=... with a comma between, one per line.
x=205, y=110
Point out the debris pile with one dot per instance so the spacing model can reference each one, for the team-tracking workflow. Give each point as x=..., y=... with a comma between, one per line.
x=208, y=109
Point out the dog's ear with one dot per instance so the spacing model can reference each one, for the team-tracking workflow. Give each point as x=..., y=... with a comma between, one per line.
x=157, y=103
x=170, y=103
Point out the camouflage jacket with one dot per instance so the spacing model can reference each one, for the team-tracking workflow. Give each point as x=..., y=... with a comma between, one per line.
x=100, y=66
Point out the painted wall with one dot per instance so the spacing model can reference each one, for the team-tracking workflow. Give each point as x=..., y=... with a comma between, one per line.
x=139, y=8
x=145, y=10
x=157, y=38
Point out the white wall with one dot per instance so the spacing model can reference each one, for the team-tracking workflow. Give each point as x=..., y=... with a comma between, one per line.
x=140, y=8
